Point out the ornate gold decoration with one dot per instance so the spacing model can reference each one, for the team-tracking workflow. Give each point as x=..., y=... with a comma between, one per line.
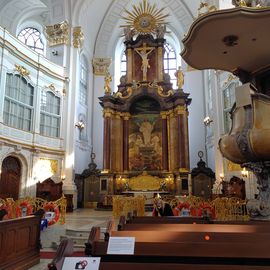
x=250, y=3
x=101, y=65
x=205, y=8
x=22, y=70
x=233, y=166
x=161, y=92
x=57, y=34
x=107, y=112
x=126, y=115
x=145, y=18
x=78, y=37
x=144, y=182
x=242, y=3
x=160, y=89
x=124, y=205
x=120, y=95
x=143, y=52
x=183, y=170
x=53, y=164
x=180, y=77
x=107, y=81
x=181, y=109
x=164, y=114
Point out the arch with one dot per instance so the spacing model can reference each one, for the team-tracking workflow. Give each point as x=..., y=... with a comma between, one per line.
x=20, y=10
x=109, y=32
x=36, y=25
x=10, y=180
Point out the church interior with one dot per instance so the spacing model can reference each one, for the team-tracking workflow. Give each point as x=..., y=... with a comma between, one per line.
x=144, y=115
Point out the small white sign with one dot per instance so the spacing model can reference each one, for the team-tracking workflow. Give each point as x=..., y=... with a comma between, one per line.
x=86, y=263
x=121, y=245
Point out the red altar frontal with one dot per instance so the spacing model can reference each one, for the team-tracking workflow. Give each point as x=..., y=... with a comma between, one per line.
x=146, y=145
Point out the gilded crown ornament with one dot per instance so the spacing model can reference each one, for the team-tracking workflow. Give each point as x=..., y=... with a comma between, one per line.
x=145, y=18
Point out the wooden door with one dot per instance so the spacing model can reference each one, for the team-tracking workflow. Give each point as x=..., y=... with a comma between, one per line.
x=10, y=178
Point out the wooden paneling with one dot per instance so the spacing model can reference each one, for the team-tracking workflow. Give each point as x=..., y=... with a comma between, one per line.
x=19, y=243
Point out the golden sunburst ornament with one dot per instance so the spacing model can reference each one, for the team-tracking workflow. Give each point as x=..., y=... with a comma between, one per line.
x=145, y=18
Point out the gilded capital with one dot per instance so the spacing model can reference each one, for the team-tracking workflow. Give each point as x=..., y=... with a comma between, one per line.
x=170, y=113
x=183, y=170
x=108, y=112
x=101, y=65
x=164, y=115
x=57, y=34
x=181, y=109
x=126, y=115
x=117, y=115
x=78, y=37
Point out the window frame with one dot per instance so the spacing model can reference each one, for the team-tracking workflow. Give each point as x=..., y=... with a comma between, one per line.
x=47, y=128
x=22, y=37
x=15, y=103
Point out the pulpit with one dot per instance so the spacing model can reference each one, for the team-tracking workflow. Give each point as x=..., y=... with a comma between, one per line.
x=241, y=46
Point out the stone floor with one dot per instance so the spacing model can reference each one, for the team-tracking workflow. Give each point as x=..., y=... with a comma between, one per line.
x=78, y=220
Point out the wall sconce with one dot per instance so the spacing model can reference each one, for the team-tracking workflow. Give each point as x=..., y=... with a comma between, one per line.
x=80, y=125
x=207, y=121
x=63, y=177
x=244, y=172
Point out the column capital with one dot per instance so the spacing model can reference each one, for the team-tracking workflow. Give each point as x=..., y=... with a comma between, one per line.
x=181, y=109
x=164, y=114
x=108, y=112
x=126, y=115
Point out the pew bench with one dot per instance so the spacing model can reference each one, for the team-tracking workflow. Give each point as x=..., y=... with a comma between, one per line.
x=19, y=243
x=241, y=228
x=228, y=246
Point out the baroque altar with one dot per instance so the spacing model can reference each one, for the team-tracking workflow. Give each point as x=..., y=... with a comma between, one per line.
x=146, y=145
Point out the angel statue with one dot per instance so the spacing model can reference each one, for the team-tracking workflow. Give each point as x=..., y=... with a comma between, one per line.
x=107, y=81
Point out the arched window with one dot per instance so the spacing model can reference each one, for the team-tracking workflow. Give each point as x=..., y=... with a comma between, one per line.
x=170, y=62
x=18, y=104
x=123, y=64
x=50, y=114
x=32, y=38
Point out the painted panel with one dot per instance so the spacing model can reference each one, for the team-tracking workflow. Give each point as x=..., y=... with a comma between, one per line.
x=145, y=148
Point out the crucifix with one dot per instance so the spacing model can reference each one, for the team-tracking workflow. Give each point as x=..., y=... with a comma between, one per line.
x=143, y=52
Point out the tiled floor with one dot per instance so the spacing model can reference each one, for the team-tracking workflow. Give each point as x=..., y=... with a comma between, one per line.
x=79, y=220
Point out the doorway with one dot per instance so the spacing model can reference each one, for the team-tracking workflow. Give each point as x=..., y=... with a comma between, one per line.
x=10, y=178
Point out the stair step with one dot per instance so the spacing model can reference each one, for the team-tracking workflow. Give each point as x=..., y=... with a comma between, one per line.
x=85, y=233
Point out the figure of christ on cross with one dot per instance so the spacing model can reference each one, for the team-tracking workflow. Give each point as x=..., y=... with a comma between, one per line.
x=143, y=52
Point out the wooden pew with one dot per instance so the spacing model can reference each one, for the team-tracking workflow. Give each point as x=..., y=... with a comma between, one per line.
x=19, y=243
x=168, y=219
x=244, y=228
x=173, y=266
x=229, y=247
x=184, y=220
x=65, y=249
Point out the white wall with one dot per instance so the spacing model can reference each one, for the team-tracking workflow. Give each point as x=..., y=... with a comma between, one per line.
x=194, y=86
